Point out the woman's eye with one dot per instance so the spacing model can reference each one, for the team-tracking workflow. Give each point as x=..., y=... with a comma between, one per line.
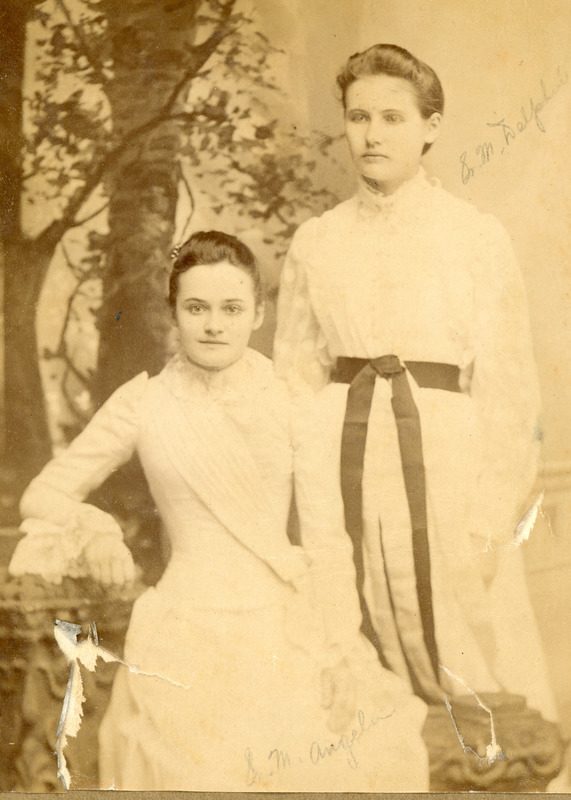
x=357, y=116
x=393, y=118
x=195, y=309
x=233, y=309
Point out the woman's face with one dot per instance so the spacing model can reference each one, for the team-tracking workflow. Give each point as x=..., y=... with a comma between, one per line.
x=216, y=311
x=385, y=129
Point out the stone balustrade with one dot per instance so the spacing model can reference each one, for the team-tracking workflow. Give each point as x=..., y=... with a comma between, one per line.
x=34, y=673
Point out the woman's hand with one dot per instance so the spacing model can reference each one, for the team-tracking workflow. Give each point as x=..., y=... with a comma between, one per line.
x=338, y=694
x=109, y=560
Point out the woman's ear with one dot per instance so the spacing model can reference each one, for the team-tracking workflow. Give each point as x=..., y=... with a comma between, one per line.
x=260, y=314
x=432, y=127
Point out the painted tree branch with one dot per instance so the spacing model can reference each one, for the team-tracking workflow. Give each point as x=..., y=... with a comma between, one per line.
x=191, y=198
x=78, y=222
x=61, y=351
x=200, y=54
x=93, y=61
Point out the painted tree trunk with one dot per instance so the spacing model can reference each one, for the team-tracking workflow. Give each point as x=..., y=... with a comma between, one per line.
x=148, y=45
x=26, y=440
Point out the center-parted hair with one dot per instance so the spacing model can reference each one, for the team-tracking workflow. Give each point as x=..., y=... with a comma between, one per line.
x=212, y=247
x=390, y=59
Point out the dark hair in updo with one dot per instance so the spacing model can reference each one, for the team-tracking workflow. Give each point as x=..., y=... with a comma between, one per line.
x=389, y=59
x=211, y=247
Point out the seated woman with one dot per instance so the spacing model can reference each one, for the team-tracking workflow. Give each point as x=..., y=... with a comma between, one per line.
x=260, y=678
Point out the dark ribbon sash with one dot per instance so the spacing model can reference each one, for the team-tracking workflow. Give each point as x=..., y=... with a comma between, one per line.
x=362, y=374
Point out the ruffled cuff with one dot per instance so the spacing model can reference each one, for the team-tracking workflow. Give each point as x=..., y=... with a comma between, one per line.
x=56, y=551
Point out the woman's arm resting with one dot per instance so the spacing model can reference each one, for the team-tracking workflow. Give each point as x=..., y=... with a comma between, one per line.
x=64, y=535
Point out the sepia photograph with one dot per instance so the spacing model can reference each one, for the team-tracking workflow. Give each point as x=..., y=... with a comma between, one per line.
x=285, y=396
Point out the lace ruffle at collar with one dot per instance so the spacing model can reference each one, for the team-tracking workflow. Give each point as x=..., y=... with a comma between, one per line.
x=251, y=373
x=409, y=194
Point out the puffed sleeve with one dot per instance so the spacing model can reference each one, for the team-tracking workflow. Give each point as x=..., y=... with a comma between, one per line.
x=301, y=357
x=505, y=390
x=322, y=527
x=57, y=523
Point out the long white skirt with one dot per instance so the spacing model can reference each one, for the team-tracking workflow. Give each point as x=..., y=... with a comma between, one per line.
x=487, y=638
x=233, y=702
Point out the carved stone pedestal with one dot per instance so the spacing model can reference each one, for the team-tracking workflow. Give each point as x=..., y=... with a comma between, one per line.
x=34, y=672
x=457, y=740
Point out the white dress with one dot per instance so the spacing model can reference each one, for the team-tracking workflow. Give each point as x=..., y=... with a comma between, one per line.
x=426, y=277
x=240, y=626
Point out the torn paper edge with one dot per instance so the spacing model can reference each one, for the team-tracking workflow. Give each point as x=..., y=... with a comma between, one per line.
x=527, y=523
x=494, y=751
x=84, y=653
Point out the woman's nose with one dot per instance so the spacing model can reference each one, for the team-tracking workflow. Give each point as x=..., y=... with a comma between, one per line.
x=375, y=132
x=213, y=323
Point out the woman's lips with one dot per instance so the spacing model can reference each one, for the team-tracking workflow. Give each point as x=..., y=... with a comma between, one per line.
x=373, y=156
x=210, y=341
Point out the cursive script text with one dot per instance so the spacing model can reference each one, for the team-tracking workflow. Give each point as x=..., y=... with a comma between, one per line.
x=318, y=751
x=505, y=132
x=278, y=760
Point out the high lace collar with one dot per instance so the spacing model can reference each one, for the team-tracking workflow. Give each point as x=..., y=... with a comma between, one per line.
x=372, y=201
x=251, y=372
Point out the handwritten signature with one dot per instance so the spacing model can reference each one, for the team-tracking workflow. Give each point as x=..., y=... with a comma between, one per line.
x=506, y=132
x=317, y=752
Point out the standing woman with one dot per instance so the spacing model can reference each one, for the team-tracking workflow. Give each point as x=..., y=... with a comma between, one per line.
x=404, y=310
